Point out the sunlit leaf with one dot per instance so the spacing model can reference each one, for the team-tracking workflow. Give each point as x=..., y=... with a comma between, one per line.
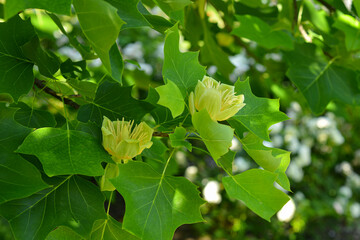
x=65, y=151
x=156, y=204
x=255, y=188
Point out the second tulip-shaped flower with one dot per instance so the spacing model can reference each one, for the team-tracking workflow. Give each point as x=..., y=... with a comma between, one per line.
x=123, y=140
x=217, y=98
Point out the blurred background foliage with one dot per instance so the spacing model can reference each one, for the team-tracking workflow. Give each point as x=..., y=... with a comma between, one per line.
x=324, y=138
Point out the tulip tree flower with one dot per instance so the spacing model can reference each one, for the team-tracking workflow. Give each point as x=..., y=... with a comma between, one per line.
x=217, y=98
x=123, y=140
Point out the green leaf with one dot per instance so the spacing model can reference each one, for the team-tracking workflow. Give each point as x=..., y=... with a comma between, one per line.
x=158, y=23
x=47, y=62
x=70, y=69
x=16, y=74
x=255, y=188
x=63, y=233
x=171, y=97
x=73, y=202
x=257, y=115
x=65, y=151
x=271, y=159
x=109, y=229
x=178, y=138
x=115, y=102
x=226, y=162
x=101, y=26
x=156, y=204
x=12, y=7
x=128, y=11
x=33, y=118
x=172, y=5
x=157, y=155
x=257, y=30
x=211, y=53
x=351, y=27
x=11, y=133
x=181, y=68
x=18, y=178
x=217, y=137
x=321, y=81
x=316, y=16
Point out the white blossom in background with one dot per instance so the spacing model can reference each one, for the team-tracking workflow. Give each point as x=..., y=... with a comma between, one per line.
x=147, y=68
x=159, y=52
x=211, y=192
x=304, y=156
x=191, y=172
x=95, y=63
x=180, y=158
x=277, y=141
x=70, y=53
x=355, y=210
x=211, y=70
x=287, y=212
x=133, y=51
x=268, y=144
x=241, y=63
x=338, y=207
x=240, y=164
x=260, y=67
x=235, y=144
x=345, y=191
x=344, y=168
x=277, y=57
x=295, y=172
x=276, y=128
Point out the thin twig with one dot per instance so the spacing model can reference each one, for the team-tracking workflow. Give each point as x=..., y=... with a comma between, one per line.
x=327, y=5
x=41, y=84
x=160, y=134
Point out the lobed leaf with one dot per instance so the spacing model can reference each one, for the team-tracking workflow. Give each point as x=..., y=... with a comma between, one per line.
x=72, y=202
x=65, y=151
x=181, y=68
x=217, y=137
x=255, y=188
x=101, y=26
x=115, y=102
x=156, y=204
x=257, y=115
x=170, y=97
x=18, y=178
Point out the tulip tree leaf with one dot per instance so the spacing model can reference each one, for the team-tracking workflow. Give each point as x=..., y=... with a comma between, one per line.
x=178, y=138
x=163, y=202
x=217, y=137
x=170, y=6
x=18, y=178
x=351, y=28
x=63, y=232
x=115, y=102
x=101, y=25
x=16, y=74
x=226, y=161
x=110, y=229
x=257, y=115
x=12, y=7
x=183, y=69
x=11, y=133
x=170, y=97
x=72, y=202
x=255, y=188
x=30, y=117
x=321, y=81
x=257, y=30
x=271, y=159
x=128, y=11
x=65, y=151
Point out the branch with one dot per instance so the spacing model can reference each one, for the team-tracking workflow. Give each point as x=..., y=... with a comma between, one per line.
x=160, y=134
x=40, y=84
x=327, y=5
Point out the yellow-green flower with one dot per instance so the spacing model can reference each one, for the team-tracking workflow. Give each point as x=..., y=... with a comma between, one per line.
x=217, y=98
x=123, y=140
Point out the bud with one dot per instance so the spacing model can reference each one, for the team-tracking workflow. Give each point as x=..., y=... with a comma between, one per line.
x=217, y=98
x=123, y=141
